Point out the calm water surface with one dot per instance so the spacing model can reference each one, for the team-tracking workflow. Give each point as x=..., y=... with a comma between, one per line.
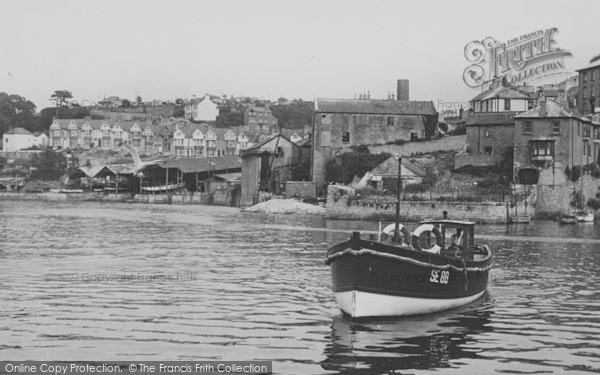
x=93, y=281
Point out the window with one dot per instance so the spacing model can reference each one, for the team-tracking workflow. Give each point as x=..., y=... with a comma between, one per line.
x=390, y=120
x=586, y=130
x=346, y=137
x=528, y=127
x=487, y=133
x=354, y=119
x=543, y=148
x=325, y=119
x=507, y=104
x=584, y=92
x=584, y=76
x=5, y=140
x=593, y=75
x=585, y=147
x=487, y=150
x=555, y=126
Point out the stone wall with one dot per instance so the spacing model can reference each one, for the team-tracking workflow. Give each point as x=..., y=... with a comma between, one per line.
x=555, y=200
x=476, y=160
x=362, y=129
x=302, y=189
x=220, y=197
x=453, y=143
x=342, y=203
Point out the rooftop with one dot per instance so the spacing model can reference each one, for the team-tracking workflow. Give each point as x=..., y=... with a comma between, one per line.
x=553, y=109
x=491, y=118
x=373, y=106
x=18, y=131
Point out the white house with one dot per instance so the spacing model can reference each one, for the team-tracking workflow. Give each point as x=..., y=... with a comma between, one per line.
x=41, y=139
x=18, y=138
x=203, y=109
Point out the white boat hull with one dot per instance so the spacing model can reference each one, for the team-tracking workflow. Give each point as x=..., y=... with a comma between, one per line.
x=359, y=304
x=585, y=218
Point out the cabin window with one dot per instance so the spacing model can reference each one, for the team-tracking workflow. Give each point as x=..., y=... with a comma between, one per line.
x=555, y=126
x=528, y=129
x=346, y=137
x=390, y=120
x=507, y=104
x=487, y=150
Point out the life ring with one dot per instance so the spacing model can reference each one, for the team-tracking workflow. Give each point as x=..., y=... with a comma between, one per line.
x=435, y=249
x=389, y=231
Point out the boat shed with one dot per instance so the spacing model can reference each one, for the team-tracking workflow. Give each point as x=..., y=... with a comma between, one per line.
x=109, y=177
x=267, y=166
x=196, y=175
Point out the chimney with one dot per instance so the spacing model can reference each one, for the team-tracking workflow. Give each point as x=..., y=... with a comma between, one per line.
x=543, y=111
x=460, y=113
x=402, y=91
x=368, y=94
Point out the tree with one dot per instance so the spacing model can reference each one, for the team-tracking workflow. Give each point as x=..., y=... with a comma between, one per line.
x=48, y=165
x=138, y=100
x=16, y=111
x=61, y=97
x=125, y=103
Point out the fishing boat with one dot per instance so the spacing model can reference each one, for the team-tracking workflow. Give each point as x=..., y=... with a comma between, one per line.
x=377, y=279
x=411, y=274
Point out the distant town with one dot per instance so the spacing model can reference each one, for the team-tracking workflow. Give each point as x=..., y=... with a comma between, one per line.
x=507, y=138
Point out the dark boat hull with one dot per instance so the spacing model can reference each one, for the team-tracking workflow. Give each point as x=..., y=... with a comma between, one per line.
x=372, y=279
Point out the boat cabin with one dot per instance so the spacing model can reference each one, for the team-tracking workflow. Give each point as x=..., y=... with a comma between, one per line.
x=460, y=232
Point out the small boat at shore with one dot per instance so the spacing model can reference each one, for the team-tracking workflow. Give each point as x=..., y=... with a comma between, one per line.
x=567, y=219
x=378, y=279
x=585, y=217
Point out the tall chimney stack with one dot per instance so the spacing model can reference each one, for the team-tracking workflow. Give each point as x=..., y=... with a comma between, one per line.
x=402, y=92
x=543, y=111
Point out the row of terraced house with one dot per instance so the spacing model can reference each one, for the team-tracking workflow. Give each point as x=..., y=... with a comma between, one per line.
x=178, y=138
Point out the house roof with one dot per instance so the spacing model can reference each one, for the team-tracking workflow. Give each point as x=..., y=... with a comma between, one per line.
x=503, y=92
x=389, y=167
x=218, y=163
x=303, y=142
x=18, y=131
x=553, y=109
x=392, y=107
x=255, y=148
x=595, y=64
x=491, y=118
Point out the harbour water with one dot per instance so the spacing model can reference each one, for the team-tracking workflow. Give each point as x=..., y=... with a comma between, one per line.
x=111, y=281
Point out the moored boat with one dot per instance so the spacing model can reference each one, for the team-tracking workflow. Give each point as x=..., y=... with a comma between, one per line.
x=567, y=219
x=377, y=279
x=583, y=216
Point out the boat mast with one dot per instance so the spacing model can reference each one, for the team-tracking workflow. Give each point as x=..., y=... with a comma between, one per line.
x=396, y=237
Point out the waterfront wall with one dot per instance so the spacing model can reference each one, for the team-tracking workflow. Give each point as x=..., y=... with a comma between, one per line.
x=220, y=197
x=300, y=189
x=65, y=197
x=555, y=200
x=342, y=203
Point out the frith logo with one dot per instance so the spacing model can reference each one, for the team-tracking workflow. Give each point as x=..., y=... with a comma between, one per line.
x=524, y=59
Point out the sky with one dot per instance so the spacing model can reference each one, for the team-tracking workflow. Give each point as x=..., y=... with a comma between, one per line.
x=266, y=49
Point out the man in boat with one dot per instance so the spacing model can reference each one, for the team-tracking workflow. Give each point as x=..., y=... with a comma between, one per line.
x=456, y=240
